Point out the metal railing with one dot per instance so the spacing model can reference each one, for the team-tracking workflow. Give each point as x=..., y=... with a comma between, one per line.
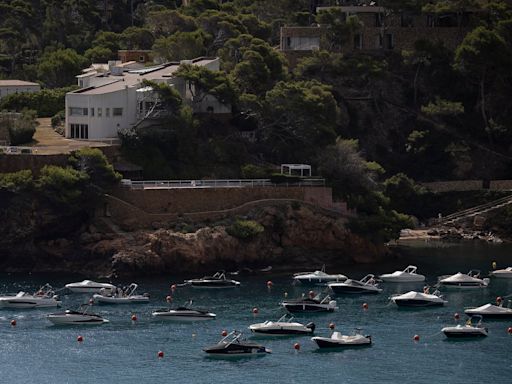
x=218, y=183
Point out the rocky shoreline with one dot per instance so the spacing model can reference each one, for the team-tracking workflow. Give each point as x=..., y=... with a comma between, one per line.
x=293, y=238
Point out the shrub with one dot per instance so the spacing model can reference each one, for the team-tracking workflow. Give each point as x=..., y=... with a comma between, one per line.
x=47, y=102
x=22, y=129
x=279, y=178
x=245, y=229
x=251, y=171
x=63, y=186
x=16, y=181
x=58, y=119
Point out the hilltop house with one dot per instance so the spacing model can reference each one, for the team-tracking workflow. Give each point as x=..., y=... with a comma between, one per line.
x=8, y=87
x=381, y=30
x=112, y=97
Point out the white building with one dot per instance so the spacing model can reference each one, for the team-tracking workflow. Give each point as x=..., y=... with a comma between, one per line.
x=8, y=87
x=117, y=99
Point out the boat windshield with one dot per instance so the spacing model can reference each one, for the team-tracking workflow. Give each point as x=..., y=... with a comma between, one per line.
x=410, y=269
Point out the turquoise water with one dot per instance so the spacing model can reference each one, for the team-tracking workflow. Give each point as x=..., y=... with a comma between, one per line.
x=126, y=352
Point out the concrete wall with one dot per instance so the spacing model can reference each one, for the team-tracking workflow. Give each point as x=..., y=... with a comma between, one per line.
x=468, y=185
x=10, y=89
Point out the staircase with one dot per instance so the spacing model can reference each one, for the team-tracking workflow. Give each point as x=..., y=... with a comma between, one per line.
x=474, y=211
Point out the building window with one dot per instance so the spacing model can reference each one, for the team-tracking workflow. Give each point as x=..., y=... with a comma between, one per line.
x=358, y=41
x=74, y=111
x=81, y=83
x=107, y=112
x=99, y=112
x=390, y=44
x=92, y=112
x=79, y=131
x=141, y=59
x=288, y=42
x=378, y=19
x=117, y=111
x=406, y=20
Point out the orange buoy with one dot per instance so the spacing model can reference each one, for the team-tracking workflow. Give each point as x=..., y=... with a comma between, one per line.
x=416, y=338
x=160, y=354
x=168, y=299
x=80, y=338
x=134, y=317
x=456, y=316
x=365, y=306
x=255, y=310
x=332, y=326
x=509, y=330
x=270, y=284
x=224, y=333
x=13, y=322
x=296, y=346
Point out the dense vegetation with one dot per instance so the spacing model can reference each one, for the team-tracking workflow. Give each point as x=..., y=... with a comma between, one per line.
x=430, y=113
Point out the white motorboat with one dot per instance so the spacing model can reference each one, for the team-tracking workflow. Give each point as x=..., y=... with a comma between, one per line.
x=419, y=299
x=366, y=285
x=88, y=286
x=44, y=298
x=471, y=280
x=337, y=340
x=490, y=311
x=310, y=304
x=118, y=296
x=502, y=273
x=317, y=277
x=184, y=313
x=408, y=275
x=472, y=328
x=218, y=280
x=80, y=317
x=232, y=346
x=283, y=327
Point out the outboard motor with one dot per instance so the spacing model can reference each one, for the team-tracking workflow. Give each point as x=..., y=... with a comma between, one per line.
x=311, y=326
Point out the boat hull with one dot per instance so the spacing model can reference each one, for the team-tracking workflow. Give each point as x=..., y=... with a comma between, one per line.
x=120, y=300
x=274, y=331
x=76, y=320
x=311, y=308
x=402, y=279
x=418, y=303
x=329, y=343
x=460, y=335
x=86, y=289
x=28, y=304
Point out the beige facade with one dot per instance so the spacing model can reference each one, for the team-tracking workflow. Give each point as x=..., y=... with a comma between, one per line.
x=8, y=87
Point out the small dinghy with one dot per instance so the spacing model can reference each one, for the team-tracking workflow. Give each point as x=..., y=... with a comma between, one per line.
x=88, y=286
x=490, y=311
x=472, y=328
x=419, y=299
x=502, y=273
x=470, y=280
x=232, y=345
x=337, y=340
x=310, y=304
x=283, y=327
x=317, y=277
x=408, y=275
x=79, y=317
x=44, y=297
x=118, y=296
x=366, y=285
x=185, y=314
x=218, y=280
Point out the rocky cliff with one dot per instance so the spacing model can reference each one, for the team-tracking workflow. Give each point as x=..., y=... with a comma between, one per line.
x=293, y=237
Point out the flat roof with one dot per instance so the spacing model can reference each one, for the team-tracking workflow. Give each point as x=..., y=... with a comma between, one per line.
x=134, y=77
x=15, y=83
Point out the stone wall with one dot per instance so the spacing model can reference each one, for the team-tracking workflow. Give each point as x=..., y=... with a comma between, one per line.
x=468, y=185
x=189, y=200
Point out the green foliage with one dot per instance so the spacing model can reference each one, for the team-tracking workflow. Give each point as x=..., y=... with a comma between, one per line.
x=94, y=163
x=403, y=193
x=21, y=129
x=58, y=119
x=252, y=171
x=441, y=108
x=180, y=46
x=17, y=181
x=46, y=102
x=339, y=29
x=65, y=187
x=207, y=82
x=245, y=229
x=59, y=68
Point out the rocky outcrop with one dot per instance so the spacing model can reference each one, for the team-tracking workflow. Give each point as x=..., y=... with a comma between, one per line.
x=294, y=236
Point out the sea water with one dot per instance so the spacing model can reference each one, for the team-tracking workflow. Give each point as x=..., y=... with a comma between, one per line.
x=125, y=351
